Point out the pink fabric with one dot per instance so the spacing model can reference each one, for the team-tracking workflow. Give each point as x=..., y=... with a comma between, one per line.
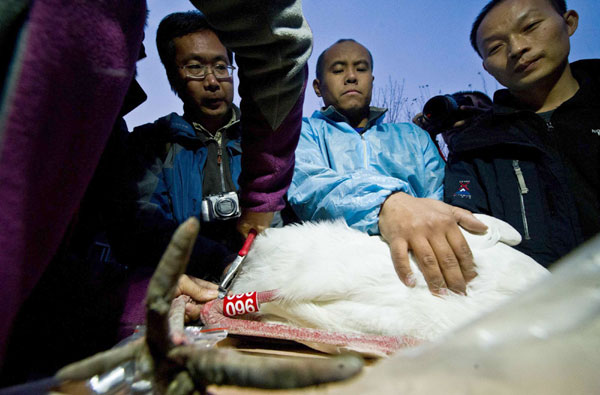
x=134, y=312
x=375, y=345
x=78, y=59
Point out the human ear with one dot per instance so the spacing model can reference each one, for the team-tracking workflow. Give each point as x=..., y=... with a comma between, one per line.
x=316, y=87
x=571, y=18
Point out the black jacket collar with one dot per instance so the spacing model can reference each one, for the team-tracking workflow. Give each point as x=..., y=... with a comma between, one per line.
x=488, y=129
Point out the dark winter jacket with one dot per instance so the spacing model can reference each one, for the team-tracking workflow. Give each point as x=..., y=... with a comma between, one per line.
x=164, y=174
x=541, y=177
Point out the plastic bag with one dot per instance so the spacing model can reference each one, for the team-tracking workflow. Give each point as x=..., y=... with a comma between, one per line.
x=128, y=379
x=546, y=341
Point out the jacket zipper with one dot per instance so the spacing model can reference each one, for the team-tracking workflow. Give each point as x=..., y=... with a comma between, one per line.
x=552, y=137
x=522, y=191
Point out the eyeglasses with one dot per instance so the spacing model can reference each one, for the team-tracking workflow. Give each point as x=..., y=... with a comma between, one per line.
x=200, y=71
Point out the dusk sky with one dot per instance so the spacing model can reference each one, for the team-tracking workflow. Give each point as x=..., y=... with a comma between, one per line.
x=423, y=43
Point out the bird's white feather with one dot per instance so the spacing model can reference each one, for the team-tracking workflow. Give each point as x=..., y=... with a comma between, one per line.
x=332, y=277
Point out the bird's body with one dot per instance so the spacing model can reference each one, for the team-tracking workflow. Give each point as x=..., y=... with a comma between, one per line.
x=335, y=278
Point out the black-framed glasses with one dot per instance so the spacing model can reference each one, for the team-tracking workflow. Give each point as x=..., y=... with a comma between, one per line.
x=200, y=71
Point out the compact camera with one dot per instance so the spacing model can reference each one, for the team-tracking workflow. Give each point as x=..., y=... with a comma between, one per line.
x=220, y=207
x=443, y=111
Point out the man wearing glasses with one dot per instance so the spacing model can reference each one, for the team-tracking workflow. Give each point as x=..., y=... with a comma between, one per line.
x=186, y=165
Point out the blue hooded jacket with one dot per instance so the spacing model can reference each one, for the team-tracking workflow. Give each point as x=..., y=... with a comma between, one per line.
x=176, y=189
x=343, y=173
x=163, y=174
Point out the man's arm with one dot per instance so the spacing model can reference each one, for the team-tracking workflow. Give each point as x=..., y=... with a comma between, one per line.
x=429, y=228
x=199, y=290
x=272, y=42
x=318, y=192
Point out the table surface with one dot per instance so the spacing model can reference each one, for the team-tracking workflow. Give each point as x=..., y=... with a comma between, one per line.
x=277, y=348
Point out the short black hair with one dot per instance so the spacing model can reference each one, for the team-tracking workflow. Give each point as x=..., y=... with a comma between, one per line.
x=485, y=98
x=559, y=5
x=319, y=71
x=178, y=24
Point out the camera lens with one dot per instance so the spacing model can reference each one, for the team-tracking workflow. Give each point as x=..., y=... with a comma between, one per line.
x=225, y=207
x=439, y=108
x=443, y=111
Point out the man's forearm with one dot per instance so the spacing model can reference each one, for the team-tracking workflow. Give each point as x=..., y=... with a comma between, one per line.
x=267, y=157
x=272, y=42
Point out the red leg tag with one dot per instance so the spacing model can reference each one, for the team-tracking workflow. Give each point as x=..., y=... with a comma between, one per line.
x=240, y=304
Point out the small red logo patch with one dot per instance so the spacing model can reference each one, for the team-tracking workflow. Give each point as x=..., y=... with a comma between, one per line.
x=463, y=190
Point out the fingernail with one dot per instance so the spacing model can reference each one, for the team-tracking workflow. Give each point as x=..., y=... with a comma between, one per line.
x=411, y=281
x=443, y=292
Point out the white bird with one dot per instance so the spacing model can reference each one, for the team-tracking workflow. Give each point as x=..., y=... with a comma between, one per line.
x=335, y=278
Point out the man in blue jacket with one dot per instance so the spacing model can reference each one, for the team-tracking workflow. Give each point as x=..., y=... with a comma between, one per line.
x=174, y=164
x=380, y=177
x=534, y=159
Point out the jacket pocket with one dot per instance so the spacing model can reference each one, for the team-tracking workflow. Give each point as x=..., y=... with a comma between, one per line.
x=522, y=191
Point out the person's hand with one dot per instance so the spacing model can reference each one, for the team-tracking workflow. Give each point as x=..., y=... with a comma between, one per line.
x=429, y=228
x=421, y=121
x=254, y=220
x=466, y=113
x=469, y=112
x=200, y=291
